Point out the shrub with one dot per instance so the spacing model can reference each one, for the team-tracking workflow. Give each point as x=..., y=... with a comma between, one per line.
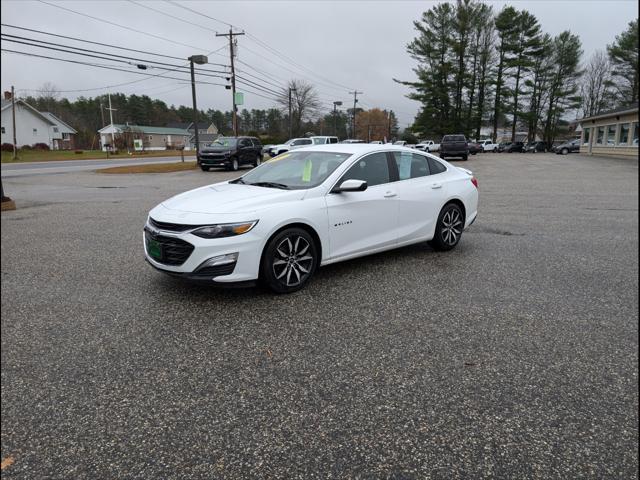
x=41, y=146
x=26, y=147
x=7, y=147
x=78, y=152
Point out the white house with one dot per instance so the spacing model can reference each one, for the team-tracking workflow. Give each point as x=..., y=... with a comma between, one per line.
x=33, y=126
x=62, y=134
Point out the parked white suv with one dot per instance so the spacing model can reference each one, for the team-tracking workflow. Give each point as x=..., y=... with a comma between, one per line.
x=320, y=140
x=290, y=145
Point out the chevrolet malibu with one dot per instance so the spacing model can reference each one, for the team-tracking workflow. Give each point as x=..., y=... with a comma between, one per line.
x=307, y=208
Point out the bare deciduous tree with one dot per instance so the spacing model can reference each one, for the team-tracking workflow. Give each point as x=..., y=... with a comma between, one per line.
x=596, y=89
x=304, y=104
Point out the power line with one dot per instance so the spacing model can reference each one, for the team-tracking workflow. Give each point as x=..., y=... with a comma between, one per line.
x=105, y=67
x=121, y=26
x=263, y=45
x=118, y=59
x=111, y=46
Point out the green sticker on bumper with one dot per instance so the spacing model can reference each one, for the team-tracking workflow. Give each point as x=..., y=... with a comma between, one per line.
x=154, y=249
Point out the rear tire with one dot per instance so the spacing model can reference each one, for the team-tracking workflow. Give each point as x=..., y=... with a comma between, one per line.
x=289, y=261
x=448, y=229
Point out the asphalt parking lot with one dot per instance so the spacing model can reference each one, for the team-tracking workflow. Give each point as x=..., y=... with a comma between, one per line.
x=514, y=356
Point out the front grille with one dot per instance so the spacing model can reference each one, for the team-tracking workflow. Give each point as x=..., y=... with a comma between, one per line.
x=171, y=227
x=216, y=271
x=212, y=156
x=173, y=251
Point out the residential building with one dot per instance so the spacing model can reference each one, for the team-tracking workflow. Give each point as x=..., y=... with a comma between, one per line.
x=206, y=133
x=613, y=133
x=34, y=127
x=62, y=134
x=144, y=137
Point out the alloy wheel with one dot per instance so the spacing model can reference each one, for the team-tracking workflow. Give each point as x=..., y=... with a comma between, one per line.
x=292, y=261
x=451, y=227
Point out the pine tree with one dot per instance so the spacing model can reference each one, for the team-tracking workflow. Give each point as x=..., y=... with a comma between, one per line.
x=624, y=57
x=526, y=46
x=506, y=29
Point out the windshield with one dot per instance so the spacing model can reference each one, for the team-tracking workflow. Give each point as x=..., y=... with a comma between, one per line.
x=224, y=142
x=295, y=170
x=289, y=142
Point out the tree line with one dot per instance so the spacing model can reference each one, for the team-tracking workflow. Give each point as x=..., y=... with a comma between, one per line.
x=480, y=68
x=88, y=115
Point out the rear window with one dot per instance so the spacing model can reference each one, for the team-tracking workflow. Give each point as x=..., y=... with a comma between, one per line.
x=454, y=138
x=436, y=167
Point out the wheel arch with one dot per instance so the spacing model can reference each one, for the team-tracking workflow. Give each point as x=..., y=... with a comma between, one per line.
x=459, y=203
x=296, y=224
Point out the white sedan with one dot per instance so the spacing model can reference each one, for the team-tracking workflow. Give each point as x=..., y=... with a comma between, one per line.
x=307, y=208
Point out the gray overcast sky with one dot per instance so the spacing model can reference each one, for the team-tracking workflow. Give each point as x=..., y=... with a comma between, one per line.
x=357, y=44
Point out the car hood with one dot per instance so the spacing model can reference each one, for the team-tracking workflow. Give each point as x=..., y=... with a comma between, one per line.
x=230, y=198
x=219, y=149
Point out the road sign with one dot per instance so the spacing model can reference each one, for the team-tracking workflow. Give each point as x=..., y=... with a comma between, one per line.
x=239, y=98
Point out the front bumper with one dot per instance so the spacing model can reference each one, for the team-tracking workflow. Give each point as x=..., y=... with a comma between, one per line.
x=214, y=162
x=248, y=248
x=192, y=277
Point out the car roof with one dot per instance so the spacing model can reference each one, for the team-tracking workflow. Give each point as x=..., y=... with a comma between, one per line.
x=356, y=148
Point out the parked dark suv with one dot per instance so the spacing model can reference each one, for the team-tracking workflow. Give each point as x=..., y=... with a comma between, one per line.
x=515, y=147
x=454, y=146
x=230, y=153
x=534, y=147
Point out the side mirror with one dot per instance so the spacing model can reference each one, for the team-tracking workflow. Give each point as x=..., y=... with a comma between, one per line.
x=351, y=186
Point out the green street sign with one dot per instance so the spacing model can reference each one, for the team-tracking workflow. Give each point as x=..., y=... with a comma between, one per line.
x=239, y=98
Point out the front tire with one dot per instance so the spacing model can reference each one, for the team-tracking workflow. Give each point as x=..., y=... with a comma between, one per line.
x=204, y=169
x=289, y=261
x=565, y=151
x=465, y=157
x=257, y=161
x=448, y=229
x=234, y=165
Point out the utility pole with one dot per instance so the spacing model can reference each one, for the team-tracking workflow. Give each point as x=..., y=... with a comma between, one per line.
x=290, y=90
x=355, y=101
x=232, y=53
x=113, y=138
x=335, y=117
x=13, y=116
x=200, y=60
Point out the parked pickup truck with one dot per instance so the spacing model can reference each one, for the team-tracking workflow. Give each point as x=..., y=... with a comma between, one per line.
x=454, y=146
x=488, y=146
x=428, y=146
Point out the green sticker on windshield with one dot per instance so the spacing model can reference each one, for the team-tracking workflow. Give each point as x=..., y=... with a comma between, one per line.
x=306, y=174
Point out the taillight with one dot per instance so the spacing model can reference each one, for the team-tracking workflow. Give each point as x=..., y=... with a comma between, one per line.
x=474, y=180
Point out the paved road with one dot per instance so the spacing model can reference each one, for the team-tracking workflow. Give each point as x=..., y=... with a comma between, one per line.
x=514, y=356
x=67, y=166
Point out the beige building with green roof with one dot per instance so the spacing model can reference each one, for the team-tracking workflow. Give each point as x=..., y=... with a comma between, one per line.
x=143, y=137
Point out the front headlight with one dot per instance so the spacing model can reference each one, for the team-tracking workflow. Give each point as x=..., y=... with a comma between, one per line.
x=224, y=230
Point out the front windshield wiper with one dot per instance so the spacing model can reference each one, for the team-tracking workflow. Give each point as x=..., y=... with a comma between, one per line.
x=270, y=185
x=237, y=180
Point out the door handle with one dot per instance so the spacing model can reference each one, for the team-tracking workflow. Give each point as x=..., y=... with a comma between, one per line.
x=436, y=185
x=390, y=194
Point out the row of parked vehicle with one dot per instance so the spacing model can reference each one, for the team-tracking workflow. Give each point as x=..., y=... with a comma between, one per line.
x=232, y=152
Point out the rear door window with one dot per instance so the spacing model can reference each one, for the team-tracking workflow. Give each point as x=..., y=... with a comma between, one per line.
x=411, y=165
